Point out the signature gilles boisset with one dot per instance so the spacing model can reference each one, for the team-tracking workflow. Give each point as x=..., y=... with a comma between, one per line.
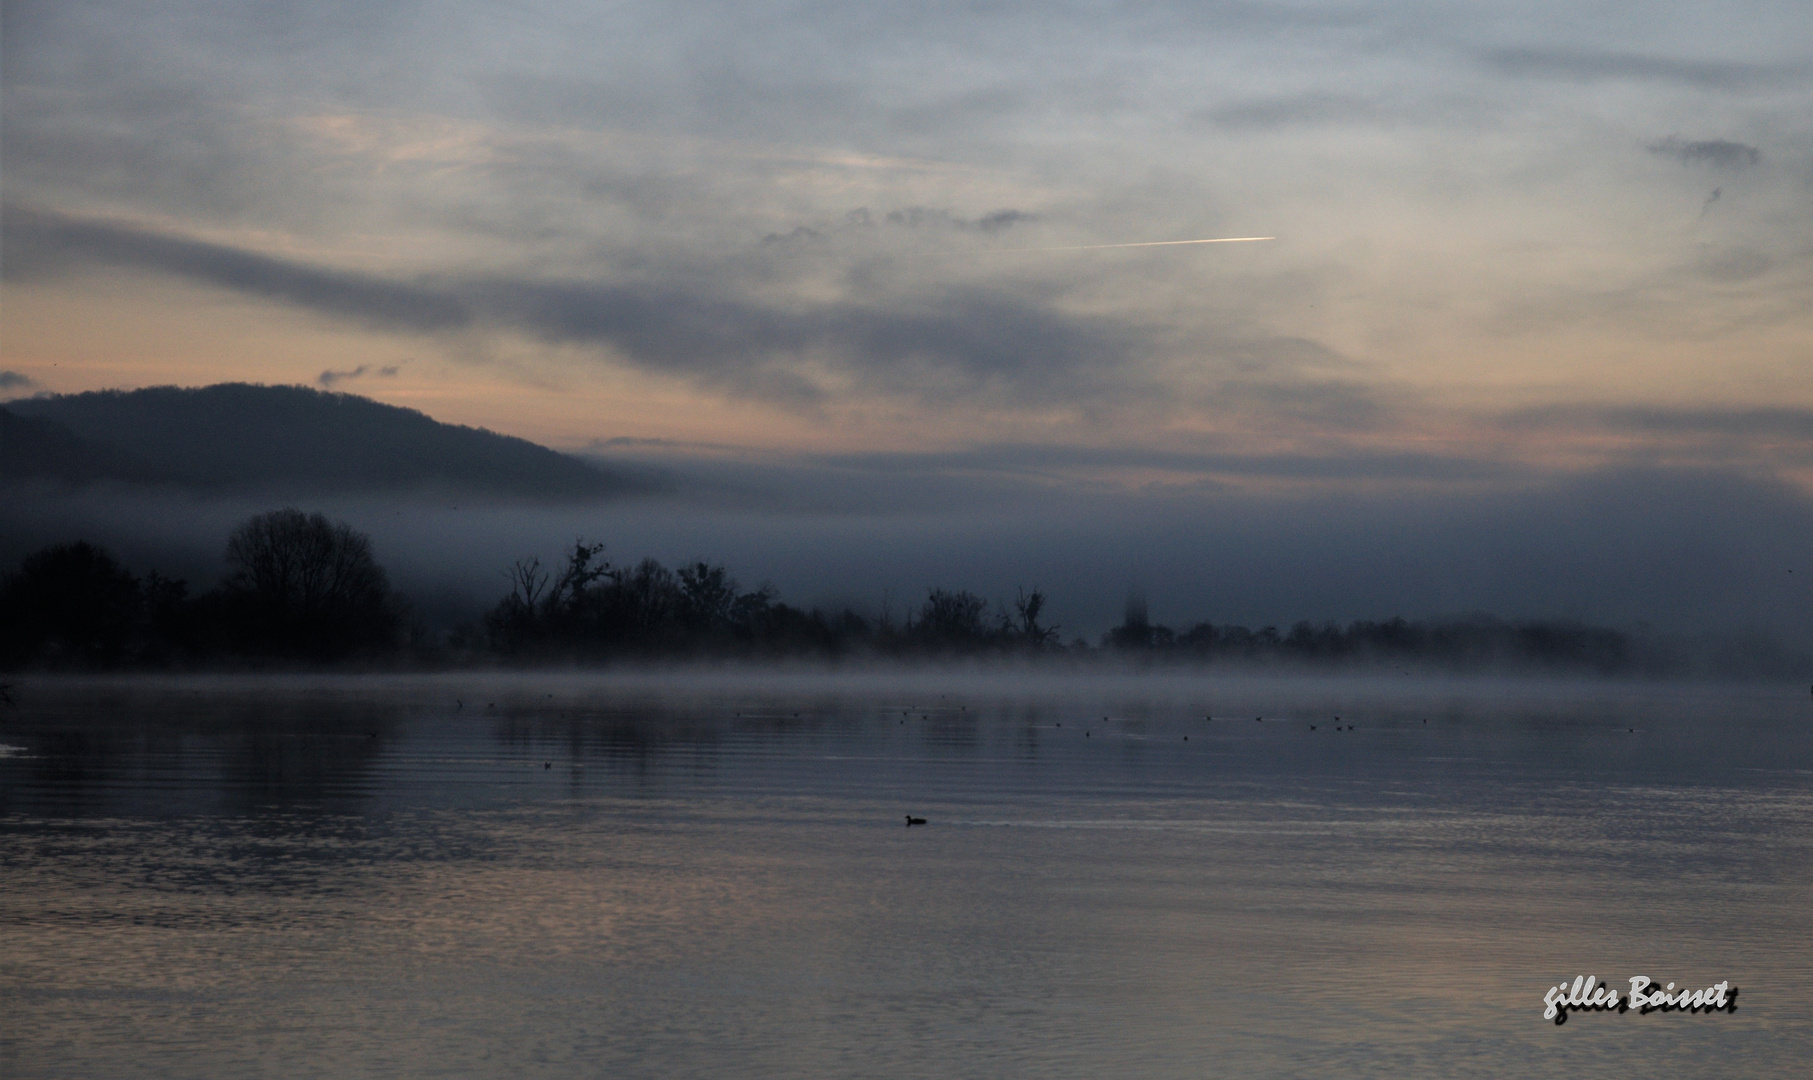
x=1587, y=993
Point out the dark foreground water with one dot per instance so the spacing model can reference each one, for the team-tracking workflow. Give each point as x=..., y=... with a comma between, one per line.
x=711, y=877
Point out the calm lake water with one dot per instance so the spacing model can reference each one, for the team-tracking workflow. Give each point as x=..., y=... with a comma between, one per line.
x=710, y=876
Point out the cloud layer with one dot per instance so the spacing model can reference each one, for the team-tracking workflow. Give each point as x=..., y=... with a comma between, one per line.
x=1720, y=153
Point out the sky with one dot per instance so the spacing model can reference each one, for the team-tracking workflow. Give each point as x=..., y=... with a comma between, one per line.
x=1522, y=252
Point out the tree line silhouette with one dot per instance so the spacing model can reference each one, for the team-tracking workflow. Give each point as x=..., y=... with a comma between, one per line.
x=300, y=590
x=591, y=610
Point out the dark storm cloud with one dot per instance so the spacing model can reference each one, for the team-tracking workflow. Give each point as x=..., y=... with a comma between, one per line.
x=1720, y=153
x=1594, y=65
x=939, y=343
x=13, y=380
x=943, y=342
x=45, y=239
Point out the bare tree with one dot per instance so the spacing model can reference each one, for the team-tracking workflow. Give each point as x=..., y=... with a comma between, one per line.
x=1027, y=608
x=527, y=582
x=307, y=583
x=569, y=593
x=514, y=621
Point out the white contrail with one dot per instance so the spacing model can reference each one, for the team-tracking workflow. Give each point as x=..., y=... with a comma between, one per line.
x=1147, y=243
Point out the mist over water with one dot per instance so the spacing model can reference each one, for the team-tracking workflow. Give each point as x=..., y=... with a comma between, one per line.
x=1679, y=552
x=678, y=874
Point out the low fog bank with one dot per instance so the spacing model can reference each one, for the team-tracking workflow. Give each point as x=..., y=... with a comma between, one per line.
x=1126, y=698
x=1713, y=563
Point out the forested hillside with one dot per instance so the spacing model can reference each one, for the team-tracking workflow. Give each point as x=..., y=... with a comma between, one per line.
x=236, y=435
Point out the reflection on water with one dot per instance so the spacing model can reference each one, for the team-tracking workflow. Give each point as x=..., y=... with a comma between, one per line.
x=656, y=877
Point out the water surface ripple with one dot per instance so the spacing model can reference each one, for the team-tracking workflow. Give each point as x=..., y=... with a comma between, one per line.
x=709, y=875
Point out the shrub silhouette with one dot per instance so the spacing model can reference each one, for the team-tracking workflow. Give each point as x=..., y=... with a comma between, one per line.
x=69, y=605
x=595, y=609
x=951, y=619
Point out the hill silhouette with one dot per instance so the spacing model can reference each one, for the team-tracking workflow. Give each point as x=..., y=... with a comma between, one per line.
x=36, y=447
x=241, y=436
